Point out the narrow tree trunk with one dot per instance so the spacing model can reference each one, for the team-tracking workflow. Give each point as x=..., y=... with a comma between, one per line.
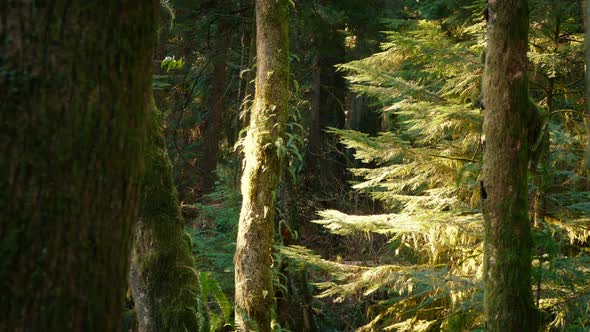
x=315, y=129
x=540, y=175
x=253, y=260
x=508, y=302
x=361, y=116
x=214, y=127
x=332, y=165
x=74, y=88
x=161, y=279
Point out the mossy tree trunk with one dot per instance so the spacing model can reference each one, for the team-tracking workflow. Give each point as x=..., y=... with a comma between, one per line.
x=74, y=88
x=161, y=278
x=253, y=260
x=508, y=302
x=586, y=11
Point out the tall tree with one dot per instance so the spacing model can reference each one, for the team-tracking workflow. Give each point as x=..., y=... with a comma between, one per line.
x=161, y=276
x=213, y=132
x=263, y=149
x=74, y=87
x=508, y=303
x=586, y=10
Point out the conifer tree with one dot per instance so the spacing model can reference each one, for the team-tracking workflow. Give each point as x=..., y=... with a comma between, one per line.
x=586, y=10
x=263, y=148
x=213, y=131
x=161, y=277
x=74, y=88
x=508, y=302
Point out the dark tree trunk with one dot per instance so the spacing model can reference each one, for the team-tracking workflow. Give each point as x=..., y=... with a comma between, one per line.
x=332, y=165
x=508, y=302
x=361, y=116
x=324, y=157
x=315, y=134
x=161, y=278
x=539, y=162
x=209, y=154
x=294, y=298
x=253, y=260
x=74, y=88
x=586, y=11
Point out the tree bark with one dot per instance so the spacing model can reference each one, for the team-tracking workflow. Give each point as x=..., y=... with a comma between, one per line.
x=75, y=83
x=315, y=128
x=214, y=127
x=540, y=165
x=253, y=260
x=508, y=302
x=161, y=278
x=331, y=163
x=586, y=11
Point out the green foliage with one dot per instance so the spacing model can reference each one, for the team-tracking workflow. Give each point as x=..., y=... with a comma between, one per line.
x=213, y=234
x=213, y=310
x=167, y=7
x=295, y=133
x=170, y=63
x=215, y=231
x=425, y=170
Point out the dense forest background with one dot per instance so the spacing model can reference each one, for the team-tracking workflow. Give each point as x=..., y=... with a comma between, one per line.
x=300, y=165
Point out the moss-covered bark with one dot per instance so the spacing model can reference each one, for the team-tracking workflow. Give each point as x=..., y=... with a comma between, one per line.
x=161, y=278
x=586, y=10
x=508, y=300
x=74, y=92
x=253, y=260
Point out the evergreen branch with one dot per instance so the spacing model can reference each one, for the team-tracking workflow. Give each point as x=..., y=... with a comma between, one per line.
x=453, y=158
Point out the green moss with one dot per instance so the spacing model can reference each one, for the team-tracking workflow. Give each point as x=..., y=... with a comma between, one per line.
x=162, y=263
x=262, y=168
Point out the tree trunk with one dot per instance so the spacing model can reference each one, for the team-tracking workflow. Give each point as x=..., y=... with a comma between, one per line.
x=253, y=260
x=161, y=279
x=332, y=164
x=540, y=175
x=586, y=11
x=508, y=302
x=214, y=127
x=315, y=128
x=74, y=88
